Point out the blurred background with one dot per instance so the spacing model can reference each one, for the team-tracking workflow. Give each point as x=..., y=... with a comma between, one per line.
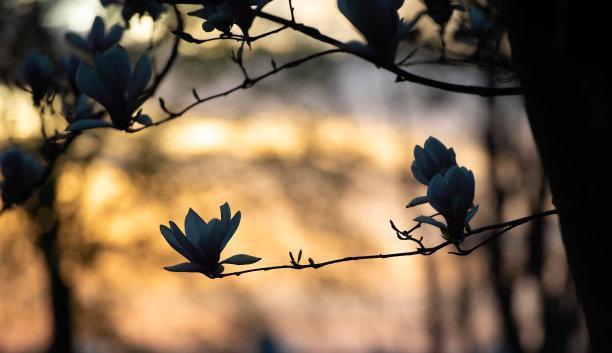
x=316, y=158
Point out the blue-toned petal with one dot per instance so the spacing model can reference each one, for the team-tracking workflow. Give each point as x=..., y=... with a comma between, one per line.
x=418, y=175
x=89, y=82
x=185, y=267
x=194, y=226
x=96, y=34
x=112, y=37
x=88, y=124
x=452, y=157
x=424, y=162
x=196, y=254
x=435, y=149
x=241, y=259
x=141, y=76
x=419, y=200
x=431, y=221
x=207, y=240
x=115, y=63
x=226, y=212
x=233, y=226
x=438, y=194
x=470, y=187
x=171, y=239
x=226, y=215
x=454, y=180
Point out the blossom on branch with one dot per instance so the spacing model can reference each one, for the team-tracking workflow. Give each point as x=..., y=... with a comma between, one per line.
x=112, y=83
x=431, y=159
x=452, y=195
x=380, y=25
x=203, y=243
x=97, y=40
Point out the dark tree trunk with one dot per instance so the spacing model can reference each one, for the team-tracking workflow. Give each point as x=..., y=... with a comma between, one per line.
x=556, y=47
x=503, y=283
x=59, y=291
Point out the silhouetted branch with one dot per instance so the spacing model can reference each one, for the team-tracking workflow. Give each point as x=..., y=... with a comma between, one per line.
x=402, y=75
x=247, y=83
x=421, y=249
x=171, y=59
x=223, y=36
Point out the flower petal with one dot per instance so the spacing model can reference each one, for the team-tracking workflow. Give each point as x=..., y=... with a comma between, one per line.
x=90, y=83
x=185, y=267
x=115, y=63
x=241, y=259
x=171, y=239
x=140, y=77
x=431, y=221
x=195, y=226
x=438, y=194
x=233, y=226
x=196, y=253
x=419, y=200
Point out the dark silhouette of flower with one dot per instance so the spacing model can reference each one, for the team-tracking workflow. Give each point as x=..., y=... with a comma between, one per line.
x=37, y=71
x=380, y=25
x=140, y=7
x=431, y=159
x=222, y=15
x=452, y=195
x=20, y=172
x=203, y=243
x=112, y=83
x=97, y=40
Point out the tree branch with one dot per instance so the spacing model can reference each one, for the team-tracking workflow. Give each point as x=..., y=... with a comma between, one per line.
x=402, y=75
x=247, y=83
x=421, y=249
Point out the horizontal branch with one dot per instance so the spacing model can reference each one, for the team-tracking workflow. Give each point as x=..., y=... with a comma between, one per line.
x=421, y=249
x=401, y=74
x=247, y=83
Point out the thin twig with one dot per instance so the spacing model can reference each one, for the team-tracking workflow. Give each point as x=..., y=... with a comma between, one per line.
x=171, y=59
x=421, y=250
x=402, y=75
x=247, y=83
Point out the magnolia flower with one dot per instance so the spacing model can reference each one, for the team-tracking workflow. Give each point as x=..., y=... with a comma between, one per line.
x=431, y=159
x=37, y=71
x=380, y=25
x=140, y=7
x=204, y=242
x=452, y=195
x=112, y=83
x=20, y=172
x=222, y=15
x=98, y=39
